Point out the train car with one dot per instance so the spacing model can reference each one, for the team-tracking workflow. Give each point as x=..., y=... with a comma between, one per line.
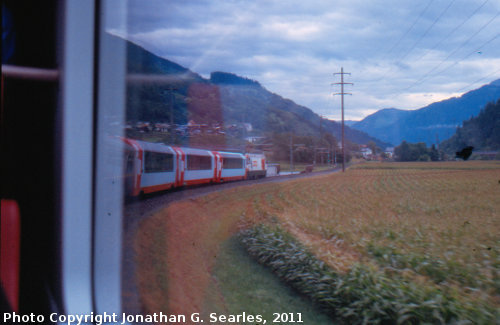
x=256, y=165
x=153, y=166
x=199, y=168
x=233, y=167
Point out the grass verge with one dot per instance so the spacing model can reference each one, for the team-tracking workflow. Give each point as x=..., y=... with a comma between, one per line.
x=246, y=286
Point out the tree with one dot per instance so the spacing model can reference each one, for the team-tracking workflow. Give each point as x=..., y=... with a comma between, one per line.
x=481, y=132
x=373, y=147
x=415, y=152
x=402, y=152
x=433, y=153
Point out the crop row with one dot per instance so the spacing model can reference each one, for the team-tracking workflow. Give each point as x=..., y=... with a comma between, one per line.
x=365, y=294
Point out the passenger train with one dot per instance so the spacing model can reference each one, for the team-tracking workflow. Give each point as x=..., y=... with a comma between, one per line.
x=153, y=167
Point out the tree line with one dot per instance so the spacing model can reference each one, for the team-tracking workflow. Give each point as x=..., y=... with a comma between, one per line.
x=415, y=152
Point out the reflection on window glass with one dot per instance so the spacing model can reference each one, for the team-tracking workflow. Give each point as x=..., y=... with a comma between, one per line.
x=362, y=213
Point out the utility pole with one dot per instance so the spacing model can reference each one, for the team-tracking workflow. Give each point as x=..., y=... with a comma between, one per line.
x=320, y=138
x=342, y=93
x=292, y=149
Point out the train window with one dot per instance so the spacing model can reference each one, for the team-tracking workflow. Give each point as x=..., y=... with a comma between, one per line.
x=195, y=162
x=232, y=163
x=156, y=162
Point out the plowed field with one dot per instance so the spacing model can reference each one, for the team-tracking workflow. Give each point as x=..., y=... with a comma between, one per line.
x=438, y=222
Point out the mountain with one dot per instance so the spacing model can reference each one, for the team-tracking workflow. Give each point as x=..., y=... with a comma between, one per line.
x=433, y=123
x=350, y=122
x=151, y=99
x=246, y=100
x=225, y=98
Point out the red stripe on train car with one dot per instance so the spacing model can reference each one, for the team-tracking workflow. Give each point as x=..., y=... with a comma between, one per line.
x=181, y=166
x=198, y=181
x=177, y=162
x=157, y=188
x=217, y=166
x=233, y=178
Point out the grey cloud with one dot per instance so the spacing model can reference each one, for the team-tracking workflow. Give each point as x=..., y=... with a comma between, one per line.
x=299, y=44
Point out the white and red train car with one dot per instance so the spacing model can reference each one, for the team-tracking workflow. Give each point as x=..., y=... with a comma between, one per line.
x=256, y=165
x=153, y=167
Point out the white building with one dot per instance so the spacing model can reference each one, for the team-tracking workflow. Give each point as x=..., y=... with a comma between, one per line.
x=366, y=152
x=389, y=151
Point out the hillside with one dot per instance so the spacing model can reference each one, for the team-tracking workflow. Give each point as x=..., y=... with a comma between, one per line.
x=151, y=101
x=245, y=100
x=482, y=132
x=435, y=121
x=223, y=99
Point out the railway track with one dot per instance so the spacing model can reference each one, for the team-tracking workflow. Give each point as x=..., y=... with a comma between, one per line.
x=138, y=208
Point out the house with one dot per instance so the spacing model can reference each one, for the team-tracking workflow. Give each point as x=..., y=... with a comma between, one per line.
x=366, y=152
x=389, y=151
x=253, y=139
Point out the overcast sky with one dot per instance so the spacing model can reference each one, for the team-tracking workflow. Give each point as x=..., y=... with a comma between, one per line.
x=400, y=53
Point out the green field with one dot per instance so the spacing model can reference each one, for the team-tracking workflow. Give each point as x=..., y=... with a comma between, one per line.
x=396, y=242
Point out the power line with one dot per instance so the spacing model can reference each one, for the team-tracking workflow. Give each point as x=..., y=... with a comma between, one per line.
x=455, y=51
x=427, y=31
x=443, y=39
x=411, y=27
x=404, y=35
x=454, y=30
x=475, y=51
x=479, y=80
x=456, y=62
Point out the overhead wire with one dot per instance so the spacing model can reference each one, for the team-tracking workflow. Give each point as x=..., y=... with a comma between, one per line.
x=479, y=80
x=411, y=27
x=453, y=52
x=477, y=50
x=465, y=57
x=403, y=36
x=428, y=29
x=452, y=31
